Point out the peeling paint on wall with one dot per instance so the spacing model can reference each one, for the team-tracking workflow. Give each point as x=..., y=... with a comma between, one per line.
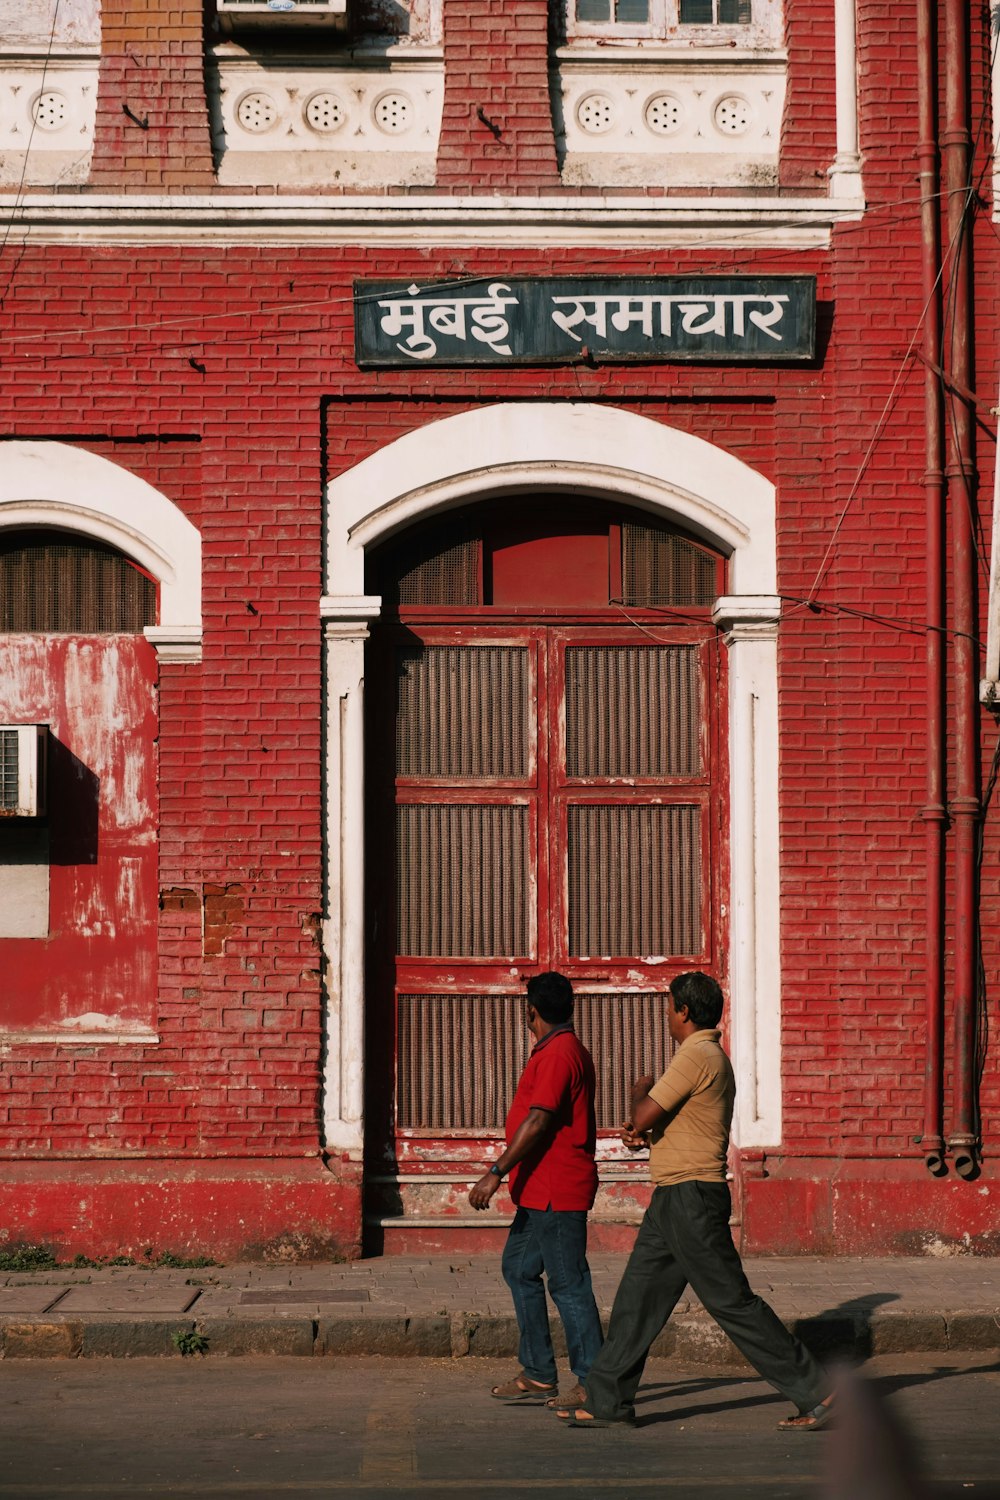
x=96, y=957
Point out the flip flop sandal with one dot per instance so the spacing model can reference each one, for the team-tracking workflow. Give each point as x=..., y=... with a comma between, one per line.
x=521, y=1388
x=809, y=1421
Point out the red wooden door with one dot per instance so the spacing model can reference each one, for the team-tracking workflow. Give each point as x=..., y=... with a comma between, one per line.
x=545, y=738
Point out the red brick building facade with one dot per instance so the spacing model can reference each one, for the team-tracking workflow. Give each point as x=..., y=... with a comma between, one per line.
x=374, y=685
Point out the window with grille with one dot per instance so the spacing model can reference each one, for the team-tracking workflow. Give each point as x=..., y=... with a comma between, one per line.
x=652, y=18
x=450, y=564
x=52, y=582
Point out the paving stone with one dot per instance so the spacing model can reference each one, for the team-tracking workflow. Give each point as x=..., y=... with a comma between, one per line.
x=421, y=1336
x=123, y=1298
x=974, y=1330
x=300, y=1296
x=896, y=1332
x=29, y=1299
x=493, y=1337
x=42, y=1340
x=258, y=1335
x=126, y=1338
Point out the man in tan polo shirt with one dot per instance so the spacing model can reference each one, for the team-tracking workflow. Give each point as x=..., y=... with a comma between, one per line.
x=684, y=1238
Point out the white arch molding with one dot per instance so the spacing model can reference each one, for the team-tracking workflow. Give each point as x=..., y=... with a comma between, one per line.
x=602, y=452
x=51, y=484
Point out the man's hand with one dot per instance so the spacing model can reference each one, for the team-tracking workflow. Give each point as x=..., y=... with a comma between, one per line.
x=483, y=1190
x=635, y=1140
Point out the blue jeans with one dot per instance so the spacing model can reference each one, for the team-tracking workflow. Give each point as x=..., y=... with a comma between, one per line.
x=553, y=1241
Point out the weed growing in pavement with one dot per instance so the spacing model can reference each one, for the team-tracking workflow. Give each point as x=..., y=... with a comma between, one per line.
x=41, y=1258
x=188, y=1341
x=182, y=1262
x=27, y=1258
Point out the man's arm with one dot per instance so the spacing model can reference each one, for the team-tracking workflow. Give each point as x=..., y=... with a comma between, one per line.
x=645, y=1114
x=532, y=1131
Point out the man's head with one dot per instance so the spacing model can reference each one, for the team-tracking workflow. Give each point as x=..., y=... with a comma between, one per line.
x=551, y=997
x=700, y=996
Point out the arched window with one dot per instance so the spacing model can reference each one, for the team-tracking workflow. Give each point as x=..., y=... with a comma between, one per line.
x=59, y=582
x=539, y=550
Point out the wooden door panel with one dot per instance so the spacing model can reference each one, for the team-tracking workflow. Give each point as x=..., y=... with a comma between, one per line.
x=553, y=809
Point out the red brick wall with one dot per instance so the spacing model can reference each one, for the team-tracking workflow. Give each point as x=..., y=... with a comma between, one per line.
x=225, y=377
x=496, y=132
x=152, y=130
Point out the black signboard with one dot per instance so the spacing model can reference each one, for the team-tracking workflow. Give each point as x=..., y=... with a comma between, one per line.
x=524, y=320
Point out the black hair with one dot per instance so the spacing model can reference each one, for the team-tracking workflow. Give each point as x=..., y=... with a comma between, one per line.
x=552, y=996
x=702, y=996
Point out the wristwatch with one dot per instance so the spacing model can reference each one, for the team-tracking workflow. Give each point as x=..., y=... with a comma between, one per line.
x=495, y=1171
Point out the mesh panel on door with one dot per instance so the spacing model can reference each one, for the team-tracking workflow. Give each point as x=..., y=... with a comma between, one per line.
x=462, y=880
x=634, y=881
x=632, y=711
x=462, y=712
x=627, y=1036
x=661, y=568
x=50, y=583
x=460, y=1056
x=448, y=576
x=458, y=1060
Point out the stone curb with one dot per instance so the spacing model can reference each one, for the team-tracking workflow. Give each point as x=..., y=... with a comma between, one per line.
x=690, y=1337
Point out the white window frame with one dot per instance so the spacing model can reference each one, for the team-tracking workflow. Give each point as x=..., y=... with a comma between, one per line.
x=765, y=28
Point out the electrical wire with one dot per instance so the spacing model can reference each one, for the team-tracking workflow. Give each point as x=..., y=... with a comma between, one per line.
x=596, y=263
x=19, y=192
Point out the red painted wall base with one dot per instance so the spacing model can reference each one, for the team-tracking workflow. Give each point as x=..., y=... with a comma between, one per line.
x=227, y=1210
x=831, y=1207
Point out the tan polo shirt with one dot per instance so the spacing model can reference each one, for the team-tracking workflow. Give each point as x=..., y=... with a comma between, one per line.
x=697, y=1091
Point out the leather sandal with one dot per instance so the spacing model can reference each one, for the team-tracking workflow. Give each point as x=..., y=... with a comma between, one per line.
x=577, y=1418
x=522, y=1389
x=573, y=1398
x=810, y=1421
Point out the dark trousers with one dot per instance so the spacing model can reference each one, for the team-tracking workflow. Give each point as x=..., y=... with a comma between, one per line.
x=685, y=1239
x=553, y=1241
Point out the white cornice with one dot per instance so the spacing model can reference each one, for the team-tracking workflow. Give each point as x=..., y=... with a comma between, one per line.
x=126, y=219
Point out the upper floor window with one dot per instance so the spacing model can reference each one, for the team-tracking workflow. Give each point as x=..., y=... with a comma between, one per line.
x=663, y=20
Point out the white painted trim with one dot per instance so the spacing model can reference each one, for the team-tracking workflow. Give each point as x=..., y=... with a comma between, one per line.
x=63, y=1037
x=124, y=219
x=56, y=485
x=614, y=454
x=845, y=171
x=573, y=446
x=751, y=634
x=346, y=630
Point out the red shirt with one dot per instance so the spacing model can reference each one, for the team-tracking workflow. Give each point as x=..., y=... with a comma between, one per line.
x=561, y=1172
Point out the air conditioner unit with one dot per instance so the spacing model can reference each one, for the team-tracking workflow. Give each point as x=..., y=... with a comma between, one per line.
x=22, y=770
x=281, y=14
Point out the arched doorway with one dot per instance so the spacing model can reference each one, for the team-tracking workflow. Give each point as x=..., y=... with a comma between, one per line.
x=583, y=453
x=547, y=787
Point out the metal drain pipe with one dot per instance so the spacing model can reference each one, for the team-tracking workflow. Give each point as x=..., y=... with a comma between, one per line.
x=965, y=804
x=933, y=813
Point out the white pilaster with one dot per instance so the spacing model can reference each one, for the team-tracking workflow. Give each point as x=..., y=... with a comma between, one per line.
x=345, y=625
x=750, y=623
x=845, y=170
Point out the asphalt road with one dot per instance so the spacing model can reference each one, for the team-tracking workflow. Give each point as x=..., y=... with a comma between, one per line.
x=915, y=1426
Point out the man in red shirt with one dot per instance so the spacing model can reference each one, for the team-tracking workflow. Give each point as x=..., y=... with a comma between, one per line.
x=551, y=1135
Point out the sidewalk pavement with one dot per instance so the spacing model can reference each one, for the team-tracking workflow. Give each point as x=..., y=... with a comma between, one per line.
x=455, y=1306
